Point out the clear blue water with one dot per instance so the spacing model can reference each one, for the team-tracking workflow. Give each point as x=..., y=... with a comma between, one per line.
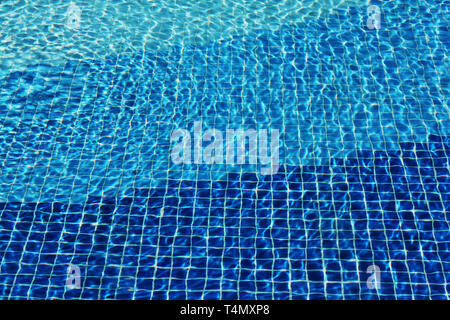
x=86, y=113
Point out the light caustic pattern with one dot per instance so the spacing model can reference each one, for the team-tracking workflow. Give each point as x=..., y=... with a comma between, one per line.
x=90, y=92
x=48, y=31
x=330, y=85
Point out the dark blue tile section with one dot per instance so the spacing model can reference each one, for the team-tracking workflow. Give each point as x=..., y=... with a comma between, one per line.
x=308, y=232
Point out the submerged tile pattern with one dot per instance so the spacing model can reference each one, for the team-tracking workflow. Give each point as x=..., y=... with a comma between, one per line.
x=307, y=232
x=85, y=177
x=331, y=87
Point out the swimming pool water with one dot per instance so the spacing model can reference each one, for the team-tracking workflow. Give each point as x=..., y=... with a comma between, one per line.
x=86, y=177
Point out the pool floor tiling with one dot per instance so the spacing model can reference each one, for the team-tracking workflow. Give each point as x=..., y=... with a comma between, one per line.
x=93, y=206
